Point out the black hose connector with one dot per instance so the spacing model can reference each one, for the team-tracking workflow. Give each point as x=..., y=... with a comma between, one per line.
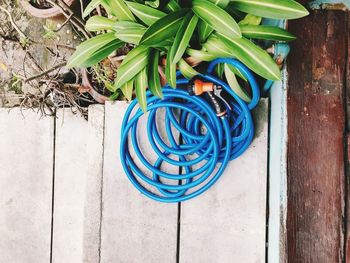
x=217, y=104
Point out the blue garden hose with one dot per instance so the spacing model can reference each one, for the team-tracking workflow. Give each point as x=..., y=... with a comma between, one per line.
x=207, y=144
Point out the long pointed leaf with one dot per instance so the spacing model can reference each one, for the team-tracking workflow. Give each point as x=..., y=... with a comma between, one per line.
x=172, y=6
x=183, y=37
x=98, y=23
x=154, y=84
x=170, y=73
x=90, y=7
x=85, y=50
x=278, y=9
x=186, y=70
x=102, y=53
x=134, y=62
x=233, y=83
x=164, y=28
x=118, y=9
x=216, y=17
x=199, y=54
x=253, y=57
x=266, y=32
x=140, y=89
x=146, y=14
x=204, y=30
x=127, y=89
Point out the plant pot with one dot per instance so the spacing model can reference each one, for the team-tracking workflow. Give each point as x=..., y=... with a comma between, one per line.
x=52, y=12
x=89, y=87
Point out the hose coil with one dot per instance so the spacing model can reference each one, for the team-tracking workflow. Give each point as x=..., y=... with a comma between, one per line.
x=207, y=143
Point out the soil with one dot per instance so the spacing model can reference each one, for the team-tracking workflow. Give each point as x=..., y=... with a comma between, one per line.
x=41, y=4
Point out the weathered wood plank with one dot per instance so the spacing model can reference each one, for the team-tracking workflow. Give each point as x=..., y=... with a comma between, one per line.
x=93, y=195
x=26, y=168
x=316, y=125
x=228, y=222
x=134, y=228
x=347, y=194
x=71, y=160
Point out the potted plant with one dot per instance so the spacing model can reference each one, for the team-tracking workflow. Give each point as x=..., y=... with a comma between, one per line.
x=181, y=31
x=44, y=9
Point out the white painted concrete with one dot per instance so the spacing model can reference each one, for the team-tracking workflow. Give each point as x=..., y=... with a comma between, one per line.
x=93, y=194
x=99, y=216
x=227, y=223
x=277, y=244
x=26, y=172
x=134, y=228
x=70, y=187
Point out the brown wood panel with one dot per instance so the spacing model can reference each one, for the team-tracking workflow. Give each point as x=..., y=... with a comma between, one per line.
x=316, y=125
x=347, y=200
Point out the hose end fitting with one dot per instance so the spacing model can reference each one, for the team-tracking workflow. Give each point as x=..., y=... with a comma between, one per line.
x=198, y=87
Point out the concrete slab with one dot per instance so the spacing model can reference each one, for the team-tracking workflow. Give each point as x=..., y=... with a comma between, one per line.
x=227, y=223
x=26, y=169
x=71, y=160
x=134, y=228
x=93, y=194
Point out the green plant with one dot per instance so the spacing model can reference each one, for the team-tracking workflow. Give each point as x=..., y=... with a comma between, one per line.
x=176, y=30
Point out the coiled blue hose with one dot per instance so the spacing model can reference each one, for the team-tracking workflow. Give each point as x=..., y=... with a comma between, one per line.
x=207, y=142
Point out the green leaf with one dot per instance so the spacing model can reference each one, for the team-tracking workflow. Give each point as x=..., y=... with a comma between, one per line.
x=154, y=84
x=86, y=49
x=252, y=56
x=129, y=32
x=216, y=47
x=154, y=3
x=216, y=17
x=183, y=37
x=125, y=25
x=221, y=3
x=102, y=53
x=164, y=28
x=170, y=72
x=267, y=33
x=140, y=89
x=186, y=70
x=133, y=63
x=250, y=19
x=237, y=72
x=146, y=14
x=98, y=23
x=278, y=9
x=127, y=89
x=172, y=6
x=233, y=83
x=90, y=7
x=200, y=54
x=219, y=69
x=204, y=31
x=118, y=9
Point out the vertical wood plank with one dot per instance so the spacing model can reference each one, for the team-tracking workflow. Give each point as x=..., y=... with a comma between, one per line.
x=26, y=169
x=93, y=195
x=316, y=125
x=228, y=222
x=70, y=185
x=134, y=228
x=347, y=201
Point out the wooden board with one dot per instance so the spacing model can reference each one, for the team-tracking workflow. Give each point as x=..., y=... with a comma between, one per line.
x=228, y=222
x=71, y=160
x=26, y=169
x=134, y=228
x=316, y=144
